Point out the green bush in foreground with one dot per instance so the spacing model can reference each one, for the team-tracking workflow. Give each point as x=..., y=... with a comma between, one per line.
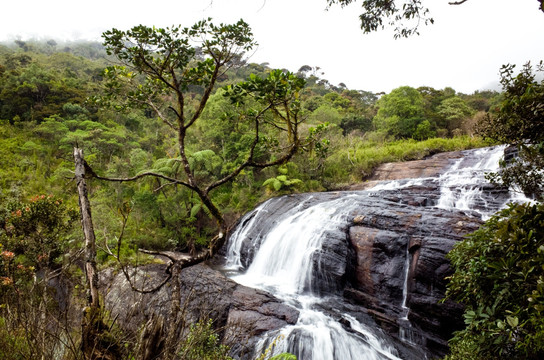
x=499, y=276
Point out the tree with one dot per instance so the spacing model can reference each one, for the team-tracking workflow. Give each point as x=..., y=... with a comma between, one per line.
x=452, y=112
x=325, y=113
x=405, y=16
x=400, y=112
x=424, y=131
x=161, y=70
x=520, y=122
x=499, y=277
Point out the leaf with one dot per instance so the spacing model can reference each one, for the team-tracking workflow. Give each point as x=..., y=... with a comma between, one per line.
x=196, y=209
x=268, y=182
x=277, y=184
x=513, y=321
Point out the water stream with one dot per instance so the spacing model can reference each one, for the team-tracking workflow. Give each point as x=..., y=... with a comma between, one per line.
x=286, y=254
x=283, y=266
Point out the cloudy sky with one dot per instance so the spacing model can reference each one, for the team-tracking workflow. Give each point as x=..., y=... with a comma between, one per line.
x=464, y=49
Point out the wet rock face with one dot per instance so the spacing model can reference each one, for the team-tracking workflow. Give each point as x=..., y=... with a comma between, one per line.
x=430, y=167
x=239, y=313
x=383, y=238
x=365, y=262
x=389, y=261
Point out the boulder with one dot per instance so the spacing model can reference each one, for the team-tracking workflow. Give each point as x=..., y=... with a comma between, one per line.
x=239, y=313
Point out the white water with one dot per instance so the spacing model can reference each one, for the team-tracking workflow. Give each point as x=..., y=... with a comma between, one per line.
x=404, y=306
x=283, y=266
x=284, y=258
x=461, y=185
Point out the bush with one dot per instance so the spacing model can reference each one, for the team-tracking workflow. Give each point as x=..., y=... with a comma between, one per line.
x=499, y=276
x=203, y=343
x=36, y=230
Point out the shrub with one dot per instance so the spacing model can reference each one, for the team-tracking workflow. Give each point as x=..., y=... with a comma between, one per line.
x=499, y=276
x=202, y=343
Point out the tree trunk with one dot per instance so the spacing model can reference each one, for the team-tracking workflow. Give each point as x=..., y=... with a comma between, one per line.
x=88, y=230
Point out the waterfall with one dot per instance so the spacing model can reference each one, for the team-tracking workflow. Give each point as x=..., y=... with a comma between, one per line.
x=284, y=264
x=404, y=306
x=284, y=257
x=463, y=185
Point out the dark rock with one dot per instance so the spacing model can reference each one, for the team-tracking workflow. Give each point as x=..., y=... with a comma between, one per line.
x=239, y=313
x=382, y=240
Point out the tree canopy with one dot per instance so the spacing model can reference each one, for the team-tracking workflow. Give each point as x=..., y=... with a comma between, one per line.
x=162, y=69
x=405, y=16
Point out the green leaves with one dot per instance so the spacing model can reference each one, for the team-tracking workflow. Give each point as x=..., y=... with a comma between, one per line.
x=281, y=181
x=36, y=230
x=499, y=276
x=513, y=321
x=400, y=112
x=405, y=19
x=520, y=122
x=159, y=63
x=278, y=88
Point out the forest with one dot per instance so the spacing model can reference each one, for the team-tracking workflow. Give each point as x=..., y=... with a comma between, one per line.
x=47, y=108
x=241, y=146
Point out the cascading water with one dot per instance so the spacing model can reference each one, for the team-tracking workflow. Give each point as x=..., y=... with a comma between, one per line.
x=284, y=265
x=284, y=258
x=463, y=186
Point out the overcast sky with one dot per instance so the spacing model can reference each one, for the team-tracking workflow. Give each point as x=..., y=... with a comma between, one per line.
x=464, y=49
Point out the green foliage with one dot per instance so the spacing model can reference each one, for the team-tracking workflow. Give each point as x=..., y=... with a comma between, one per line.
x=34, y=244
x=352, y=160
x=499, y=277
x=203, y=343
x=453, y=111
x=32, y=91
x=159, y=53
x=354, y=122
x=406, y=17
x=284, y=356
x=325, y=113
x=13, y=345
x=400, y=112
x=36, y=231
x=423, y=131
x=281, y=181
x=520, y=122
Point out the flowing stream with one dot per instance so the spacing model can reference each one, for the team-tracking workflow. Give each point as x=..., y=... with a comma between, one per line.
x=283, y=266
x=285, y=260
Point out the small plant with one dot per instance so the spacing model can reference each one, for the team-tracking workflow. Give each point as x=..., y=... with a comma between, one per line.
x=203, y=343
x=281, y=181
x=267, y=353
